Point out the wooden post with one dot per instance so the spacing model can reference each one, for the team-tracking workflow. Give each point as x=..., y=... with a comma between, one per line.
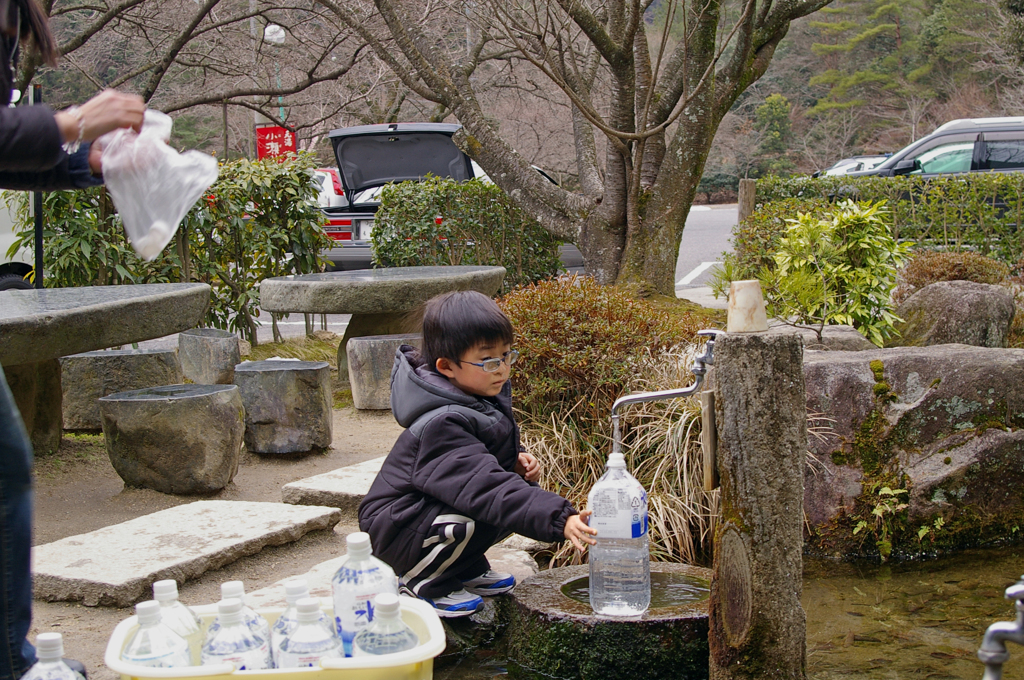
x=747, y=199
x=757, y=625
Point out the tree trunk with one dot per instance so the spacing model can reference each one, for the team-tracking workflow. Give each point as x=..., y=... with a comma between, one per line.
x=757, y=625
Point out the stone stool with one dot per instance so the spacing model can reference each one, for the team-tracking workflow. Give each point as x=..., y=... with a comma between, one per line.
x=287, y=405
x=88, y=376
x=183, y=439
x=370, y=359
x=208, y=355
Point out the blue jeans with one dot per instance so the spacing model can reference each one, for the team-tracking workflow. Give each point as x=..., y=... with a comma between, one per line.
x=16, y=653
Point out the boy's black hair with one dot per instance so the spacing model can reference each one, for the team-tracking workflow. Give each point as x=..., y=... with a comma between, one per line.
x=459, y=321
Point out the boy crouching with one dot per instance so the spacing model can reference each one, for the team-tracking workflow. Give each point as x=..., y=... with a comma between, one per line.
x=456, y=481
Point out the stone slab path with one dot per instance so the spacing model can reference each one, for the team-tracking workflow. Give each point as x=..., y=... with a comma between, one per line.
x=116, y=565
x=343, y=488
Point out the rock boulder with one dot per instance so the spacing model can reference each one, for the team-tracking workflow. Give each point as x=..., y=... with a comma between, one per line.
x=287, y=405
x=838, y=337
x=950, y=312
x=209, y=355
x=88, y=376
x=942, y=422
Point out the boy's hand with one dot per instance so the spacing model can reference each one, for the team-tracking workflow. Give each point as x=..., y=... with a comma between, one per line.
x=528, y=467
x=577, y=530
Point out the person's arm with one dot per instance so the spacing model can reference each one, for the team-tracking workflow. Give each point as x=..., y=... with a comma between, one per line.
x=454, y=467
x=70, y=172
x=30, y=139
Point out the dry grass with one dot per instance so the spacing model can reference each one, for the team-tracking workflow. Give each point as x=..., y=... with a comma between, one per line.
x=663, y=451
x=321, y=348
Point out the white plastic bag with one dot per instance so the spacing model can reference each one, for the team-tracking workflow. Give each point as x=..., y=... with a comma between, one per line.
x=152, y=185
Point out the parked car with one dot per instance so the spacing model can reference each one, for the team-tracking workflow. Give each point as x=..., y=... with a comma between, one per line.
x=967, y=145
x=13, y=270
x=852, y=164
x=370, y=156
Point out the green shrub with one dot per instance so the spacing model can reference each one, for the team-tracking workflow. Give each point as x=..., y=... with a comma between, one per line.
x=926, y=267
x=259, y=219
x=581, y=344
x=444, y=222
x=982, y=211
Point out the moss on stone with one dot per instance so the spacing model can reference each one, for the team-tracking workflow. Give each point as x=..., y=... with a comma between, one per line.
x=878, y=369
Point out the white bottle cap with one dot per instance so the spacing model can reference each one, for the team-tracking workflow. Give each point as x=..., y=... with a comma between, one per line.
x=616, y=460
x=230, y=611
x=387, y=605
x=295, y=590
x=230, y=589
x=49, y=646
x=308, y=609
x=358, y=544
x=148, y=612
x=165, y=590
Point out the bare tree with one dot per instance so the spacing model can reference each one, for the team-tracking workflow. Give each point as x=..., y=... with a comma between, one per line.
x=645, y=99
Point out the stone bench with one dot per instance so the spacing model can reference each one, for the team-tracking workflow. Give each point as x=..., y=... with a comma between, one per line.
x=370, y=359
x=287, y=405
x=208, y=355
x=182, y=439
x=88, y=376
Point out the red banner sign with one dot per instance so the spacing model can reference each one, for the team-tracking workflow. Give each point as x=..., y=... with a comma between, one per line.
x=272, y=140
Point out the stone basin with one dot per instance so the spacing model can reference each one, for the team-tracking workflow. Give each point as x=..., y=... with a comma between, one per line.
x=554, y=633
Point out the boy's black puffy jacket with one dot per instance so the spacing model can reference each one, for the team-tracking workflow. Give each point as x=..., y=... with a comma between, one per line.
x=457, y=460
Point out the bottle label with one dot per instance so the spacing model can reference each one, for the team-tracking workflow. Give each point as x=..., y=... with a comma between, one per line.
x=353, y=615
x=306, y=660
x=619, y=512
x=252, y=660
x=175, y=659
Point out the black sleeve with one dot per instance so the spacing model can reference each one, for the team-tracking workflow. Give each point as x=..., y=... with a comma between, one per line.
x=29, y=139
x=455, y=467
x=70, y=172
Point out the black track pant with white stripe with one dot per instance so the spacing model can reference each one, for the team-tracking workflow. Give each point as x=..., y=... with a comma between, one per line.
x=453, y=552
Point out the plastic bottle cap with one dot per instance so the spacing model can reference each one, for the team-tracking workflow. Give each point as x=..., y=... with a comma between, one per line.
x=616, y=460
x=165, y=590
x=148, y=612
x=308, y=609
x=295, y=590
x=387, y=605
x=358, y=544
x=231, y=589
x=49, y=646
x=230, y=610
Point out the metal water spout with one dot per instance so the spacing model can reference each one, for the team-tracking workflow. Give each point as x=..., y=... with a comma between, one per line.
x=993, y=651
x=700, y=369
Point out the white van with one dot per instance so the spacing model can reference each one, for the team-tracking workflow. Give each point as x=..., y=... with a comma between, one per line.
x=13, y=270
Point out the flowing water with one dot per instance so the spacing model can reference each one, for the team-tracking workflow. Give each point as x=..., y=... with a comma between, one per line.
x=915, y=621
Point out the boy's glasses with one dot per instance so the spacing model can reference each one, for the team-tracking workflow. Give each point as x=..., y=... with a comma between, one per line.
x=492, y=365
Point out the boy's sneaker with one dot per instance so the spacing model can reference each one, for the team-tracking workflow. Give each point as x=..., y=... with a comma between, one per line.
x=490, y=583
x=459, y=603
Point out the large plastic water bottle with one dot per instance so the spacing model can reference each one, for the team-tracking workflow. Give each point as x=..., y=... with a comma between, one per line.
x=387, y=634
x=361, y=578
x=620, y=567
x=154, y=644
x=179, y=618
x=235, y=641
x=294, y=590
x=49, y=665
x=312, y=639
x=230, y=590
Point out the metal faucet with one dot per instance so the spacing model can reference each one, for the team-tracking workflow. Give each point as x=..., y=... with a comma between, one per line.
x=993, y=647
x=700, y=369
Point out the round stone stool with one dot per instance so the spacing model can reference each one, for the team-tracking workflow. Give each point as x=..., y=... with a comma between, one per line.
x=370, y=359
x=86, y=377
x=208, y=355
x=287, y=405
x=183, y=439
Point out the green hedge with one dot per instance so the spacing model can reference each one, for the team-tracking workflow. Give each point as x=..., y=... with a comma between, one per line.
x=981, y=212
x=479, y=225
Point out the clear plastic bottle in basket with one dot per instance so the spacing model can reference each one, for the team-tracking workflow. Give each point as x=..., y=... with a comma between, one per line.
x=236, y=590
x=360, y=579
x=387, y=634
x=154, y=644
x=294, y=590
x=235, y=641
x=179, y=618
x=620, y=568
x=313, y=638
x=49, y=665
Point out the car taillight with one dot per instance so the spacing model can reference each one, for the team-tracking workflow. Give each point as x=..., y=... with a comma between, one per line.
x=337, y=183
x=338, y=229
